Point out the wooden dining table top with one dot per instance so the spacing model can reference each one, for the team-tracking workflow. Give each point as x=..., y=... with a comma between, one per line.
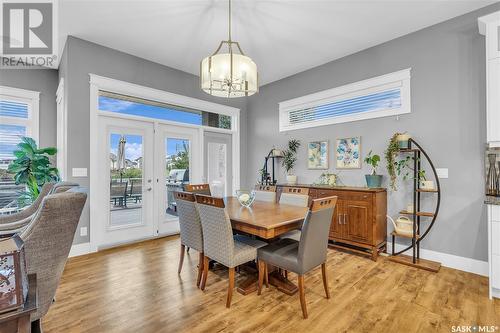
x=264, y=219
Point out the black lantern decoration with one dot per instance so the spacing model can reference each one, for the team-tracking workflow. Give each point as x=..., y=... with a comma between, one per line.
x=266, y=177
x=13, y=277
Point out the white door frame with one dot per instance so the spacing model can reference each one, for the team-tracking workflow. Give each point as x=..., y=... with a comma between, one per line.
x=98, y=83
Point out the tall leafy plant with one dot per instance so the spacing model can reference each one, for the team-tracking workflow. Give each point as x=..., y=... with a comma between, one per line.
x=290, y=155
x=32, y=167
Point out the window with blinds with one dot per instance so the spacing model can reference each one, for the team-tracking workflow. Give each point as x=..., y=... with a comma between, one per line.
x=382, y=96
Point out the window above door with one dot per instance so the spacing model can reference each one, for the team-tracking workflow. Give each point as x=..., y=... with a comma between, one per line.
x=122, y=104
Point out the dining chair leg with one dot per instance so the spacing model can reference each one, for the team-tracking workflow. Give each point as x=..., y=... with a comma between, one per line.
x=325, y=279
x=200, y=269
x=286, y=274
x=181, y=258
x=231, y=287
x=262, y=272
x=205, y=272
x=266, y=275
x=302, y=296
x=187, y=250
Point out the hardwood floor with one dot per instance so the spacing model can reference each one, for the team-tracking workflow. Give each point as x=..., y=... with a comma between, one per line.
x=136, y=289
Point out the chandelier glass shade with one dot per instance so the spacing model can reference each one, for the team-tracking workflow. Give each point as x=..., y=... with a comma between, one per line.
x=227, y=73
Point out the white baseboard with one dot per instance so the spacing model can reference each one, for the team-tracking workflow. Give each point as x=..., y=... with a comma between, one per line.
x=79, y=250
x=449, y=260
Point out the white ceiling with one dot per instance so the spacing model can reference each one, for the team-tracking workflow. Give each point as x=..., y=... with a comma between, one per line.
x=283, y=37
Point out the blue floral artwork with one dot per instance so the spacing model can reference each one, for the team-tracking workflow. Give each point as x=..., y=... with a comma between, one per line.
x=317, y=155
x=348, y=155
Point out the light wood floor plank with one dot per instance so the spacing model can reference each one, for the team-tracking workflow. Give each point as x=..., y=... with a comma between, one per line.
x=136, y=289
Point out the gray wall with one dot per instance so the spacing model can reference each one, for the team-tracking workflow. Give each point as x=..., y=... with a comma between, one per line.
x=81, y=58
x=448, y=119
x=45, y=81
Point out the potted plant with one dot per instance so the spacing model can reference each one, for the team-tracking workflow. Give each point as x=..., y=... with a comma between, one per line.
x=373, y=180
x=33, y=168
x=289, y=160
x=424, y=183
x=390, y=158
x=402, y=139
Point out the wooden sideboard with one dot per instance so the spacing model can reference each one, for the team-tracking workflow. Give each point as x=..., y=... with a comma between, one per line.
x=359, y=222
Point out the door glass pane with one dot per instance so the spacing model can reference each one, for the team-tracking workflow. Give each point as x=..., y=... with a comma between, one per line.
x=177, y=171
x=217, y=168
x=126, y=181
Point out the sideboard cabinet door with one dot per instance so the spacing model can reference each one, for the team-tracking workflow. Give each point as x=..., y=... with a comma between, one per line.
x=358, y=221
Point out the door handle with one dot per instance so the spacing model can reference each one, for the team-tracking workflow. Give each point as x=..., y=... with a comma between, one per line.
x=345, y=217
x=339, y=219
x=150, y=188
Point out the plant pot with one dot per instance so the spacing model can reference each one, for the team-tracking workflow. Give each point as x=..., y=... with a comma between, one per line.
x=403, y=141
x=291, y=179
x=373, y=180
x=427, y=185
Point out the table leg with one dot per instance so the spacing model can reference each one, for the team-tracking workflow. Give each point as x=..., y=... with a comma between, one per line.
x=277, y=279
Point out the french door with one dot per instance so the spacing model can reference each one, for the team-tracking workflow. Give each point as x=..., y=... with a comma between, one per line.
x=142, y=164
x=126, y=174
x=179, y=152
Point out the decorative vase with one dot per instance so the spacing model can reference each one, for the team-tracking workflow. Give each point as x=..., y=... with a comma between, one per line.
x=427, y=185
x=403, y=140
x=373, y=180
x=291, y=179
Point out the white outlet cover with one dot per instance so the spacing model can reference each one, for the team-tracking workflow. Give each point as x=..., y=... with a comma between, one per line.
x=442, y=172
x=79, y=172
x=83, y=231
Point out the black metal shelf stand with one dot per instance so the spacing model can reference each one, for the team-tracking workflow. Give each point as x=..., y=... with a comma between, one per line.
x=417, y=151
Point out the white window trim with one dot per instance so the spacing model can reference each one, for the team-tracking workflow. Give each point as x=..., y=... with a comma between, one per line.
x=380, y=83
x=62, y=131
x=98, y=83
x=32, y=99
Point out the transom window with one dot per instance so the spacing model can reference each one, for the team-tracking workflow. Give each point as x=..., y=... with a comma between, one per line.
x=382, y=96
x=112, y=102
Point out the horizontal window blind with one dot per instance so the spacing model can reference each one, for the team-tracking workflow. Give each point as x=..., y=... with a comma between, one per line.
x=374, y=102
x=13, y=109
x=381, y=96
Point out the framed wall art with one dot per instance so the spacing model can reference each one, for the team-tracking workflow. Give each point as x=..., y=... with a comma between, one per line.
x=348, y=153
x=317, y=155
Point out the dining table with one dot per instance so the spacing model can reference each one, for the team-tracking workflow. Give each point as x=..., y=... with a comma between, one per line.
x=267, y=221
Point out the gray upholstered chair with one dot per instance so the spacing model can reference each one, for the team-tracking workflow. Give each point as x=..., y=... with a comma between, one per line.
x=47, y=242
x=303, y=256
x=190, y=228
x=265, y=193
x=16, y=222
x=296, y=196
x=198, y=188
x=219, y=244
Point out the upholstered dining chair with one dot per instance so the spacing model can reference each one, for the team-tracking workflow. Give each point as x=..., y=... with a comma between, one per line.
x=219, y=243
x=302, y=256
x=190, y=228
x=296, y=196
x=47, y=242
x=265, y=193
x=198, y=188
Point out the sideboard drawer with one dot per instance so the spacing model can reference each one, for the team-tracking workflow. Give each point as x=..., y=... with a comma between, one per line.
x=324, y=193
x=359, y=196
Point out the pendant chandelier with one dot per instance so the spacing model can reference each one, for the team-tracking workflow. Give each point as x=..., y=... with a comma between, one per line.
x=229, y=74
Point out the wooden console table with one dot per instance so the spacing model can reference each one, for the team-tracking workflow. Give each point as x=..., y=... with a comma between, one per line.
x=359, y=223
x=19, y=320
